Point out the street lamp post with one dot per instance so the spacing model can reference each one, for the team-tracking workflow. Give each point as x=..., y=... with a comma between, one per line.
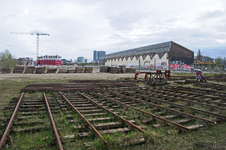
x=202, y=59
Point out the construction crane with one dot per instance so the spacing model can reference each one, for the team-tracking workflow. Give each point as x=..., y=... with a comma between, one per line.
x=33, y=33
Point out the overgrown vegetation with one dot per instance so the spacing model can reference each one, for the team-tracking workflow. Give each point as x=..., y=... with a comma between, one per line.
x=6, y=59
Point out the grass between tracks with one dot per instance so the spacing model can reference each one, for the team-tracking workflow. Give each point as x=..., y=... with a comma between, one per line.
x=209, y=137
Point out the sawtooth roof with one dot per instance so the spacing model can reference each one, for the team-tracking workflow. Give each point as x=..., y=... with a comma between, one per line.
x=161, y=47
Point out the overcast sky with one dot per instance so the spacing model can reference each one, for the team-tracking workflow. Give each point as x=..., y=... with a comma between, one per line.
x=77, y=27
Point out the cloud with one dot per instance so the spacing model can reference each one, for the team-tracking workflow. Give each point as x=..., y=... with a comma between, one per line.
x=213, y=14
x=125, y=20
x=78, y=27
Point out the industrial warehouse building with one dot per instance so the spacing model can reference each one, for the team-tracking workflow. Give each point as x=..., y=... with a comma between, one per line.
x=54, y=60
x=164, y=55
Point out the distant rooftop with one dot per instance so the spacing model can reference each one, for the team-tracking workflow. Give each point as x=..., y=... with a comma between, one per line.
x=50, y=56
x=26, y=58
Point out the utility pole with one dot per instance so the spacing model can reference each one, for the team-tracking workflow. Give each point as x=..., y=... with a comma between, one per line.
x=216, y=64
x=209, y=64
x=223, y=64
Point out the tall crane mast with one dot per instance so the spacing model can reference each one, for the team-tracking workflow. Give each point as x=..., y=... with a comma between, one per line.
x=36, y=33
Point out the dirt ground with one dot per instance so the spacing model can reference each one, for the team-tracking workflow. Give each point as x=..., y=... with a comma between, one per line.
x=74, y=76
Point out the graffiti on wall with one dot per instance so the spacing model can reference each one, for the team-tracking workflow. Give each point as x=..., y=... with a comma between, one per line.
x=148, y=65
x=163, y=63
x=178, y=65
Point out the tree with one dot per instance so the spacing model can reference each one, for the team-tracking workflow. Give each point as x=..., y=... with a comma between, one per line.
x=199, y=55
x=218, y=61
x=6, y=59
x=213, y=64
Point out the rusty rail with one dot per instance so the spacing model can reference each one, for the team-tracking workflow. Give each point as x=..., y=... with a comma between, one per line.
x=201, y=90
x=7, y=130
x=194, y=109
x=97, y=133
x=53, y=123
x=185, y=100
x=96, y=81
x=123, y=119
x=181, y=127
x=73, y=87
x=198, y=92
x=179, y=112
x=199, y=103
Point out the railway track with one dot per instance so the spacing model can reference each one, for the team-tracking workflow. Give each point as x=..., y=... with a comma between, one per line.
x=161, y=113
x=180, y=100
x=30, y=119
x=97, y=118
x=211, y=85
x=210, y=96
x=100, y=115
x=73, y=87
